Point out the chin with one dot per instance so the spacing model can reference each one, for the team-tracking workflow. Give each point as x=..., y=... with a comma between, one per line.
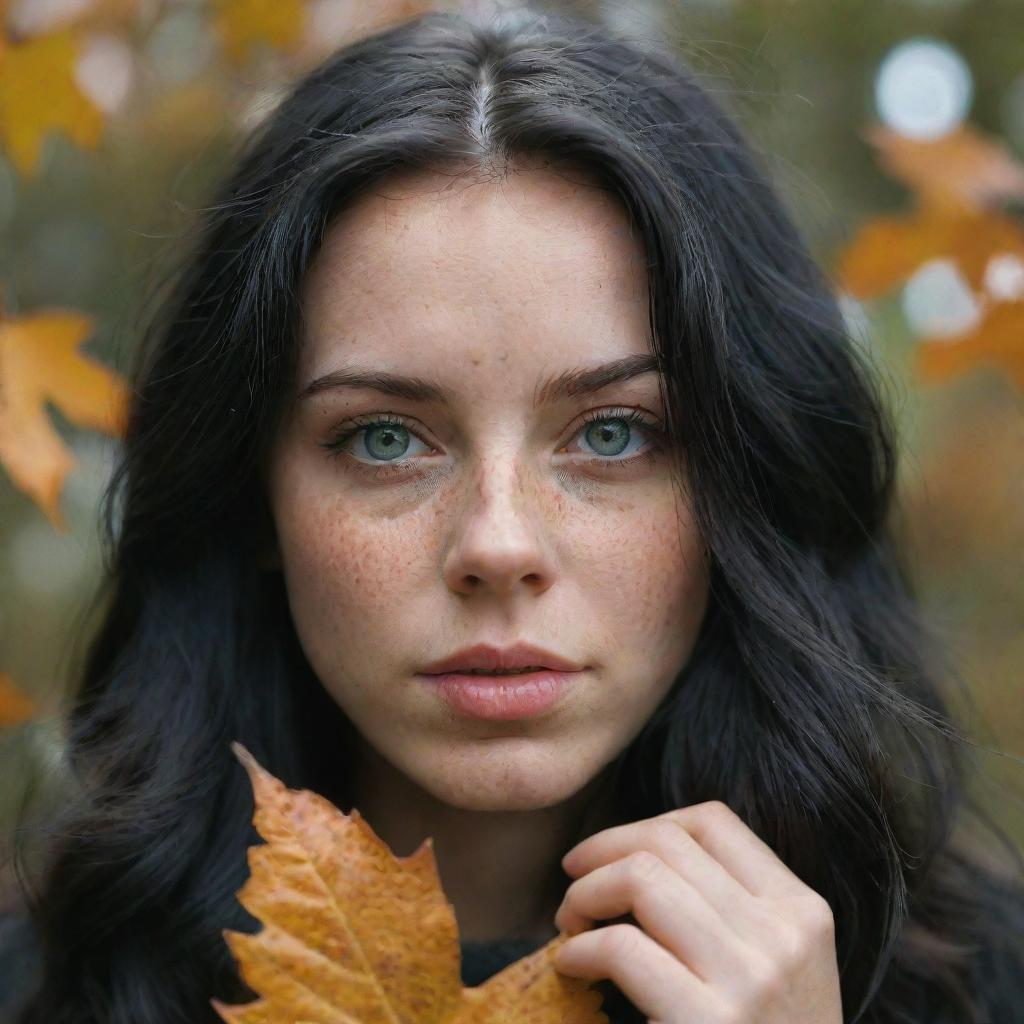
x=505, y=782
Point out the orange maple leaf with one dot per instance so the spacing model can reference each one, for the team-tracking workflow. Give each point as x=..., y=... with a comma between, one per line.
x=887, y=250
x=15, y=707
x=961, y=168
x=40, y=362
x=353, y=933
x=997, y=341
x=241, y=24
x=38, y=93
x=956, y=180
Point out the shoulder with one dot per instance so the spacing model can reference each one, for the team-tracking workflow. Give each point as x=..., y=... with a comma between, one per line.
x=20, y=963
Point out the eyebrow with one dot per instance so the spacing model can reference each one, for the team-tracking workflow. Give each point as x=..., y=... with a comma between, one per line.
x=565, y=385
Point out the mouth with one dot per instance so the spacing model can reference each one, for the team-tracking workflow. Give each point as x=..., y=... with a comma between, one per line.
x=489, y=659
x=502, y=683
x=503, y=696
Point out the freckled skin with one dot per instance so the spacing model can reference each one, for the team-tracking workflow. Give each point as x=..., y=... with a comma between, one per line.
x=487, y=287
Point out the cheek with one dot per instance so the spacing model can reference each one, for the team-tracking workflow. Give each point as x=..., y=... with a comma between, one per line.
x=349, y=577
x=650, y=580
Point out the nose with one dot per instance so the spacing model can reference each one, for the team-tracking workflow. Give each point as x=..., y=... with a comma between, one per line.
x=498, y=542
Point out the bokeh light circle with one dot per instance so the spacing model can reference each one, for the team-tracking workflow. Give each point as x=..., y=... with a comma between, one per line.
x=939, y=302
x=923, y=89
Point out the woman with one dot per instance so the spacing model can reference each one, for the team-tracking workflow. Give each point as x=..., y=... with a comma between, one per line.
x=499, y=353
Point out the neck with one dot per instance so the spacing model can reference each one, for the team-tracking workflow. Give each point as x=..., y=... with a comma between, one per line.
x=500, y=870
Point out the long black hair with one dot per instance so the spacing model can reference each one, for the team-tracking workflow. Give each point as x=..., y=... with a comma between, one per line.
x=813, y=703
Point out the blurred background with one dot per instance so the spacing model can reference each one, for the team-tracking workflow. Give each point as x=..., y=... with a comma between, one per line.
x=894, y=128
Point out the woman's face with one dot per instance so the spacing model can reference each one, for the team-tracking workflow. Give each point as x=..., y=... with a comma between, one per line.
x=496, y=515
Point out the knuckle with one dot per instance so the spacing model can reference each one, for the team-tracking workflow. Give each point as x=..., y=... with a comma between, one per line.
x=768, y=980
x=792, y=948
x=818, y=917
x=671, y=831
x=717, y=810
x=644, y=867
x=707, y=808
x=713, y=814
x=619, y=940
x=822, y=916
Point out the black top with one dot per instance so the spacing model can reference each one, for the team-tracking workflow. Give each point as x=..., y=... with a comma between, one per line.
x=19, y=964
x=482, y=960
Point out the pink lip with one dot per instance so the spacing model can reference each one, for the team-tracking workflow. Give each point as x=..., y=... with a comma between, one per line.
x=502, y=698
x=492, y=658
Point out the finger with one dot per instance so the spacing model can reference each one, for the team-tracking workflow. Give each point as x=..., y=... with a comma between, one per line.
x=666, y=906
x=666, y=837
x=657, y=984
x=744, y=854
x=719, y=831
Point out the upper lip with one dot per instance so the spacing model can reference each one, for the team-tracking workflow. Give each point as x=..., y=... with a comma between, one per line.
x=490, y=658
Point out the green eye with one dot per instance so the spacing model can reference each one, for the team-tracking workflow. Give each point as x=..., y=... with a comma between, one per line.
x=612, y=432
x=386, y=440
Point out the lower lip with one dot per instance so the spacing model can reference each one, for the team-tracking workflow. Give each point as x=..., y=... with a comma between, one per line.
x=502, y=698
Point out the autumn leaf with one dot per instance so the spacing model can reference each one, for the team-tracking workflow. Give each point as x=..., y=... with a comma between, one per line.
x=38, y=93
x=354, y=934
x=40, y=361
x=957, y=181
x=15, y=707
x=887, y=250
x=961, y=168
x=997, y=341
x=241, y=24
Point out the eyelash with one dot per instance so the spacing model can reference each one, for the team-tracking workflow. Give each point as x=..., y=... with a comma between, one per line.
x=335, y=446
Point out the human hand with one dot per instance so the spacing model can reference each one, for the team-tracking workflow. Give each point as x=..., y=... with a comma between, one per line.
x=727, y=933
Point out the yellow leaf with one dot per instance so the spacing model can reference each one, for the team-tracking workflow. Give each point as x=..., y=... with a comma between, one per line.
x=40, y=362
x=15, y=707
x=887, y=250
x=38, y=93
x=963, y=168
x=242, y=24
x=998, y=341
x=354, y=934
x=957, y=181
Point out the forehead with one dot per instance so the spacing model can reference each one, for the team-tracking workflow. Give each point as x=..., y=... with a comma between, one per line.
x=535, y=261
